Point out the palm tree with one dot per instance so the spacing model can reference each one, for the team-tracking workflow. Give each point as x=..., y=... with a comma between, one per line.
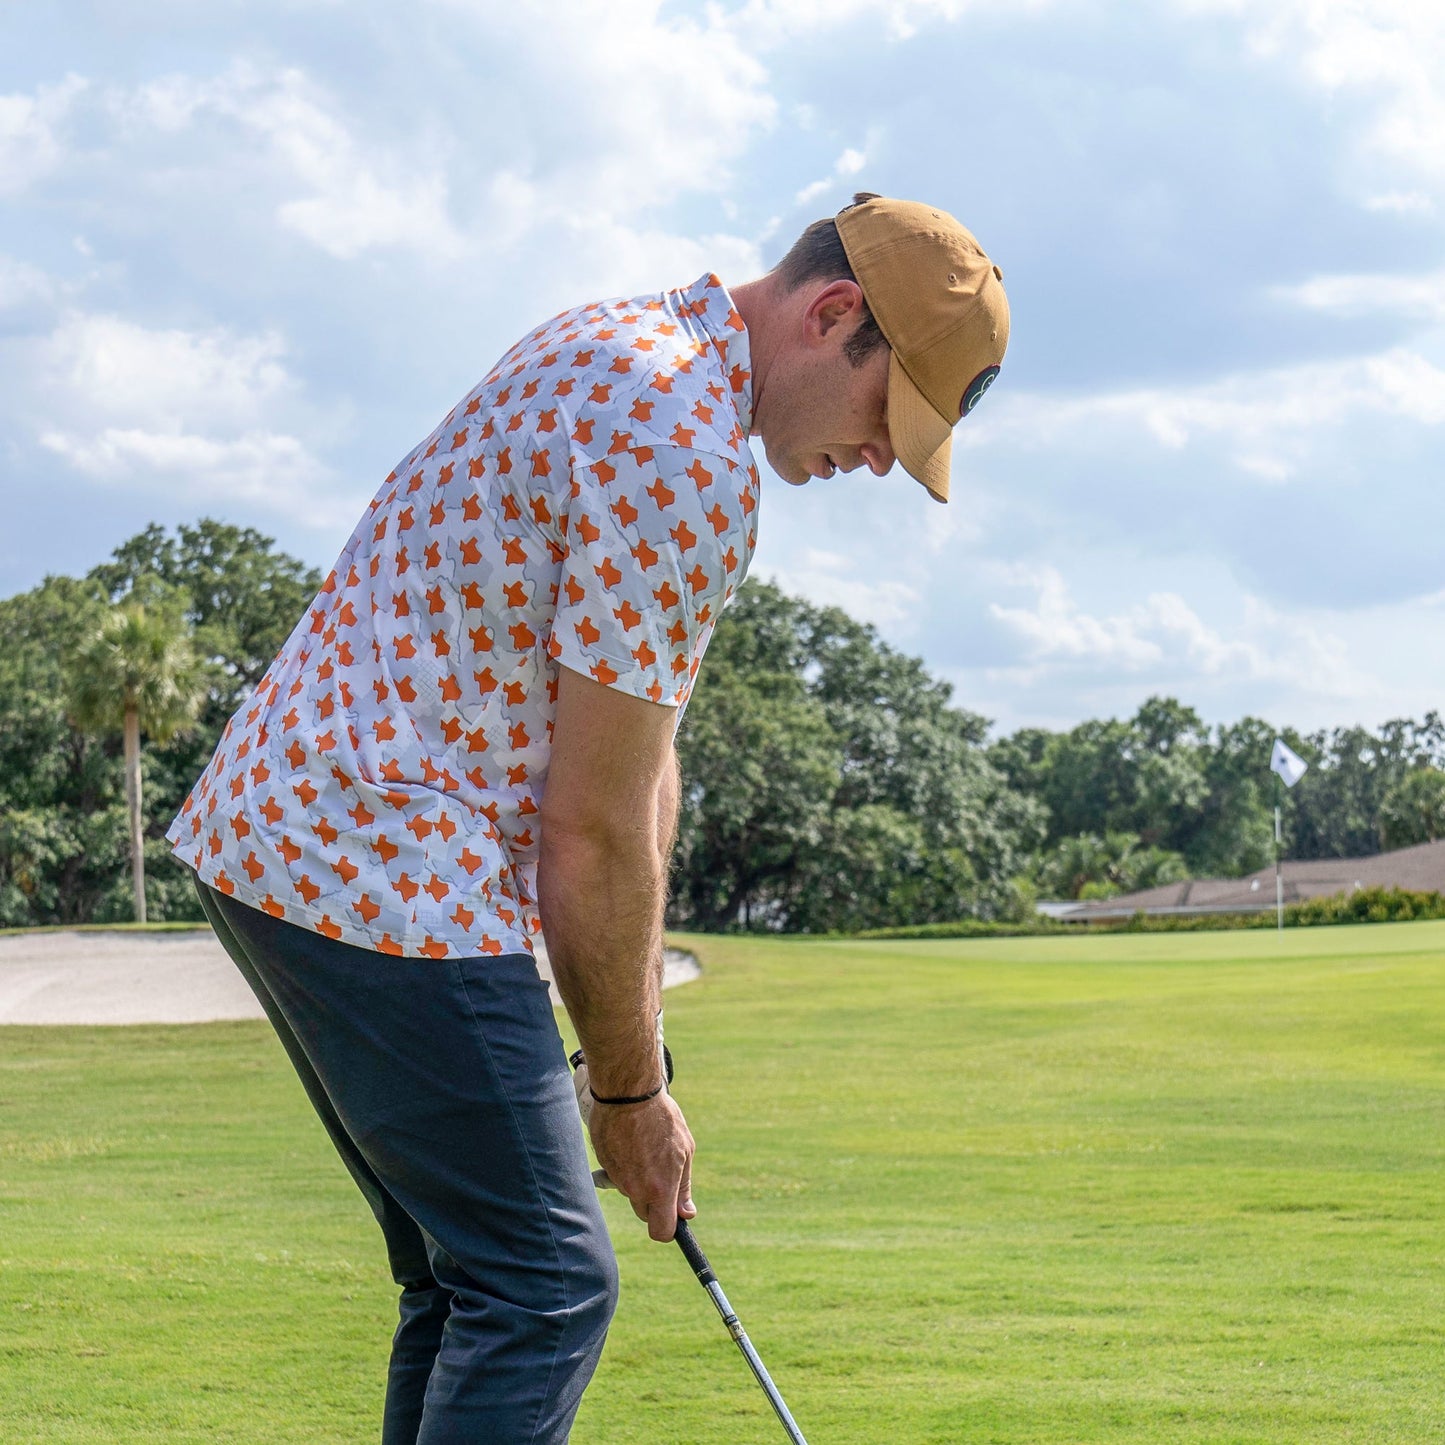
x=136, y=671
x=1087, y=866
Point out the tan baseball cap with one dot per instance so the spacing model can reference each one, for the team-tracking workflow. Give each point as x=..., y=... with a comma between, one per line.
x=940, y=304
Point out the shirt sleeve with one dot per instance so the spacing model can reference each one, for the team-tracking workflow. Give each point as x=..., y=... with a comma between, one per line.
x=656, y=541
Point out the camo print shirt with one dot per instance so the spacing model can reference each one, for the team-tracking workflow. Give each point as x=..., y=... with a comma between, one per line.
x=591, y=504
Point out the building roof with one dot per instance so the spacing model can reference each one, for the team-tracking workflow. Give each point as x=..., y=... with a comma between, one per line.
x=1420, y=869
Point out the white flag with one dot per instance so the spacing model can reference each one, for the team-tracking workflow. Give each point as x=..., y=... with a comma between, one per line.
x=1287, y=763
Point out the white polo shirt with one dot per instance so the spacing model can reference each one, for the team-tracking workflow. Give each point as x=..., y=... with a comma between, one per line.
x=593, y=504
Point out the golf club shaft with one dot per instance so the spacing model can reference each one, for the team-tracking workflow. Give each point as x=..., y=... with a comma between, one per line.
x=708, y=1280
x=692, y=1252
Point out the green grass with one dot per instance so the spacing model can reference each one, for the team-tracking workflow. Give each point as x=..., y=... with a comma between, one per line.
x=173, y=926
x=1134, y=1188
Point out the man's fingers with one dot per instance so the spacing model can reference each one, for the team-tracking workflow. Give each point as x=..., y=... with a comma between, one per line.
x=658, y=1206
x=647, y=1151
x=685, y=1207
x=662, y=1221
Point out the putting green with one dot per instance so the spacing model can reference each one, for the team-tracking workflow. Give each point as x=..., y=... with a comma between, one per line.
x=1132, y=1188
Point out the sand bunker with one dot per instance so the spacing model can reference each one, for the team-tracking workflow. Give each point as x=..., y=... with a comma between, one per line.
x=151, y=978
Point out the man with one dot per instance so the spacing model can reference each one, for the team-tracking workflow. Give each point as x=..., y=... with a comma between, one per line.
x=469, y=737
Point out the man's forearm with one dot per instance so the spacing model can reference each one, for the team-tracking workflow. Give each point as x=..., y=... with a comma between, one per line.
x=602, y=892
x=669, y=799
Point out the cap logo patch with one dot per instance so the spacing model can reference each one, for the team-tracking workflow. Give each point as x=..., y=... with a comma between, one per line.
x=976, y=389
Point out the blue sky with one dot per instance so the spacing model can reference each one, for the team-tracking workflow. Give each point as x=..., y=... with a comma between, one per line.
x=252, y=252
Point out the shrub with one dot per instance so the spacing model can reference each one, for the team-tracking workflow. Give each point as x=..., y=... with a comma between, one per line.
x=1367, y=905
x=1363, y=905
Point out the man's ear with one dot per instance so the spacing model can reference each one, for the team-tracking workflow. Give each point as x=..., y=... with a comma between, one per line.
x=839, y=303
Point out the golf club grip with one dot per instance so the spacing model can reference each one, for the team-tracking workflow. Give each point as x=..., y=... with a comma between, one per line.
x=692, y=1252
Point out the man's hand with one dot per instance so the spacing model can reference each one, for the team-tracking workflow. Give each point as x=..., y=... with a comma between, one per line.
x=647, y=1151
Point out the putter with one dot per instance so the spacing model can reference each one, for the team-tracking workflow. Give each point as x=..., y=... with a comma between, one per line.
x=692, y=1252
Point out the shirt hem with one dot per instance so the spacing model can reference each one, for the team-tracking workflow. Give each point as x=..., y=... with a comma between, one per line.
x=506, y=941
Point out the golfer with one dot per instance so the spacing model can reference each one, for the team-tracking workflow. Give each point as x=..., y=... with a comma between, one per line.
x=468, y=740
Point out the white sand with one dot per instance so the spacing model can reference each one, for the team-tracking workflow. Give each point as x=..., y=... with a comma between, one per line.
x=151, y=978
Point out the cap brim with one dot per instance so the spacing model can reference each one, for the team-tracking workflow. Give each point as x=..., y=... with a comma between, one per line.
x=922, y=440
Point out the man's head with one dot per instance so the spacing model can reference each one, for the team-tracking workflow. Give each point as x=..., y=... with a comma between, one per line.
x=895, y=324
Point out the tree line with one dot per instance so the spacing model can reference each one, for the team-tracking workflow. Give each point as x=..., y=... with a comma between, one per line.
x=830, y=783
x=1161, y=796
x=113, y=690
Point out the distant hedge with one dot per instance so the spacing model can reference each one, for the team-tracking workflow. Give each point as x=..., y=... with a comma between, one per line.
x=1367, y=905
x=1363, y=905
x=964, y=928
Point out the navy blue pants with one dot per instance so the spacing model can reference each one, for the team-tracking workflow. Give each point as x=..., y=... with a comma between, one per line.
x=444, y=1087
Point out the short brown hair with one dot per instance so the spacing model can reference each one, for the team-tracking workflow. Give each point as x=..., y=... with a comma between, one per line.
x=818, y=255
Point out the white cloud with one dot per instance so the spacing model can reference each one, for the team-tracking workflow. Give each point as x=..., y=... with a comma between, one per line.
x=1264, y=466
x=848, y=164
x=1164, y=634
x=646, y=104
x=167, y=379
x=30, y=145
x=1402, y=203
x=1419, y=297
x=352, y=208
x=608, y=256
x=275, y=470
x=650, y=110
x=772, y=22
x=1390, y=50
x=198, y=414
x=831, y=579
x=22, y=285
x=358, y=196
x=1055, y=628
x=1409, y=386
x=1270, y=422
x=633, y=123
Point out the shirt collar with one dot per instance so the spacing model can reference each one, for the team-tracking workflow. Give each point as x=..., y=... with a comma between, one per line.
x=708, y=302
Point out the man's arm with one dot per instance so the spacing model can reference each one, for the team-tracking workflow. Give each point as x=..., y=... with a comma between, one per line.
x=669, y=799
x=608, y=818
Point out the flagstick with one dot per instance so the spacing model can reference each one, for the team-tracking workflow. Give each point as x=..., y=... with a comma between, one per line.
x=1288, y=768
x=1278, y=880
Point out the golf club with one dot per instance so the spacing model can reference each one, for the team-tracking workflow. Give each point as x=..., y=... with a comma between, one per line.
x=706, y=1277
x=708, y=1280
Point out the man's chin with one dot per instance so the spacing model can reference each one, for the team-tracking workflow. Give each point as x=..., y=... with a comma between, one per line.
x=795, y=474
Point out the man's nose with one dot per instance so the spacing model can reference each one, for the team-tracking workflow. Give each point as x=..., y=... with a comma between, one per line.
x=880, y=456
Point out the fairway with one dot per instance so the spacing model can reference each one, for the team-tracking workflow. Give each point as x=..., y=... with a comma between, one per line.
x=1168, y=1187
